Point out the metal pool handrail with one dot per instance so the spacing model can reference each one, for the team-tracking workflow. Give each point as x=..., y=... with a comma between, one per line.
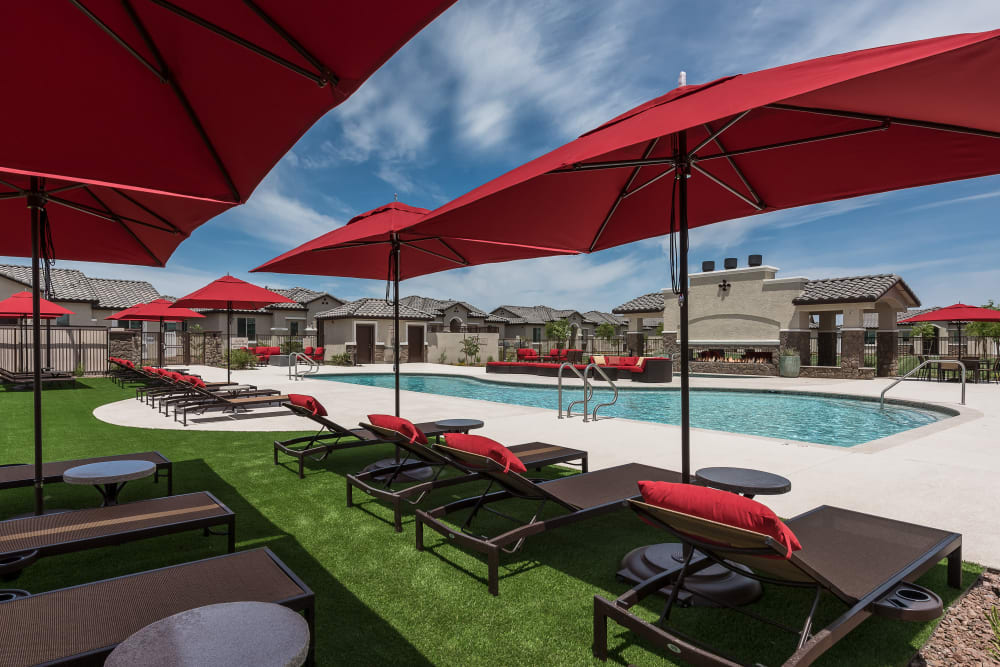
x=587, y=392
x=586, y=374
x=881, y=400
x=293, y=366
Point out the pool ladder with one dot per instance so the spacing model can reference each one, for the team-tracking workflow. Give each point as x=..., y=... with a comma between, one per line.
x=926, y=362
x=293, y=366
x=588, y=391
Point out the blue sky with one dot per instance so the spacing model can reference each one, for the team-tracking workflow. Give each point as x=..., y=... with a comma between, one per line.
x=492, y=84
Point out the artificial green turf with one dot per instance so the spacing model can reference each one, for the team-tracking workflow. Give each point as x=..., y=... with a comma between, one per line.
x=378, y=600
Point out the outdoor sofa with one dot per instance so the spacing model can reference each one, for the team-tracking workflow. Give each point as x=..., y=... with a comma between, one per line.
x=23, y=541
x=83, y=624
x=13, y=475
x=379, y=483
x=866, y=563
x=315, y=354
x=580, y=497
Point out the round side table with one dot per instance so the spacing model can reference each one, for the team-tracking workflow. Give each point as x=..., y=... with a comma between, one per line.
x=109, y=477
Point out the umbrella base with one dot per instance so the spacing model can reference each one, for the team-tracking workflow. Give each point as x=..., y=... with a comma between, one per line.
x=716, y=581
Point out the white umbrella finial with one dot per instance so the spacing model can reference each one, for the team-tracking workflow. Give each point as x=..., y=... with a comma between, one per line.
x=682, y=78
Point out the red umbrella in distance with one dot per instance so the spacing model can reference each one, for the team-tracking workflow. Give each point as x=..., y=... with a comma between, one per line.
x=19, y=306
x=380, y=244
x=825, y=129
x=187, y=99
x=958, y=313
x=229, y=293
x=157, y=310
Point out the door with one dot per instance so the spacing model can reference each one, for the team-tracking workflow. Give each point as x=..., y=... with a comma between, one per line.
x=365, y=334
x=415, y=343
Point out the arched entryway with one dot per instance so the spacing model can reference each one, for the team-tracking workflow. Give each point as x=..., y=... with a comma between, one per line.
x=455, y=325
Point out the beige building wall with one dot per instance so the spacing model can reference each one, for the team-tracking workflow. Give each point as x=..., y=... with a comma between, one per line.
x=754, y=309
x=451, y=345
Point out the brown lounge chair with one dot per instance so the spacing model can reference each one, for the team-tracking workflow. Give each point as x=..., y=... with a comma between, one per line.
x=14, y=378
x=23, y=474
x=23, y=541
x=379, y=482
x=209, y=401
x=83, y=624
x=582, y=496
x=864, y=561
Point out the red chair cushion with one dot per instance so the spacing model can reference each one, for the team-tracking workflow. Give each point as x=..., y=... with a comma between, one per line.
x=403, y=427
x=477, y=444
x=722, y=507
x=308, y=350
x=274, y=350
x=309, y=403
x=319, y=351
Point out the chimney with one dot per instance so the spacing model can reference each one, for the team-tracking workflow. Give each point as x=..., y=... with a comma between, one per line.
x=708, y=266
x=755, y=260
x=730, y=262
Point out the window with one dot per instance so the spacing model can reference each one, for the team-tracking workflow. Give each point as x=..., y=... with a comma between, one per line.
x=171, y=326
x=246, y=327
x=63, y=321
x=536, y=334
x=124, y=324
x=293, y=328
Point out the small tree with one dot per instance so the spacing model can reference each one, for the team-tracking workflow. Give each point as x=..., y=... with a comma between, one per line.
x=470, y=349
x=558, y=331
x=924, y=330
x=986, y=330
x=605, y=331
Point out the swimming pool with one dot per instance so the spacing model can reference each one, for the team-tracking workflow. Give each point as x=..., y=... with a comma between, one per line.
x=842, y=422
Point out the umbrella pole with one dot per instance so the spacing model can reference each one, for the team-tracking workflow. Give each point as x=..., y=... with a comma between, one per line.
x=35, y=203
x=48, y=344
x=161, y=357
x=683, y=171
x=229, y=341
x=395, y=314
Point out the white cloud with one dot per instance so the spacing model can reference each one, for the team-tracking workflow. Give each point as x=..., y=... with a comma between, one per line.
x=955, y=200
x=395, y=177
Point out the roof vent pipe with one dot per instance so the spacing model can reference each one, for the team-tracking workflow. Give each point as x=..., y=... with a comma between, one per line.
x=755, y=260
x=730, y=263
x=708, y=266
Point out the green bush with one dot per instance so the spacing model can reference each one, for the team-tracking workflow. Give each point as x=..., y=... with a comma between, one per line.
x=343, y=359
x=442, y=358
x=79, y=370
x=489, y=359
x=290, y=346
x=241, y=359
x=470, y=350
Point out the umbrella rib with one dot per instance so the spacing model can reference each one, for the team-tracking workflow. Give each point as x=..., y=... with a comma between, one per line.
x=435, y=254
x=97, y=213
x=722, y=184
x=621, y=196
x=66, y=188
x=927, y=125
x=153, y=213
x=20, y=192
x=124, y=226
x=447, y=245
x=182, y=98
x=739, y=172
x=654, y=179
x=121, y=42
x=884, y=125
x=11, y=195
x=330, y=77
x=319, y=79
x=714, y=135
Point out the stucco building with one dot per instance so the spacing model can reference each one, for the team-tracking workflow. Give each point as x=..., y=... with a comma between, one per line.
x=455, y=316
x=278, y=319
x=528, y=323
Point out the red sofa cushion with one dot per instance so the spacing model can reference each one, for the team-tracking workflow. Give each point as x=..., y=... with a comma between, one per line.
x=632, y=369
x=477, y=444
x=720, y=506
x=309, y=403
x=403, y=427
x=319, y=351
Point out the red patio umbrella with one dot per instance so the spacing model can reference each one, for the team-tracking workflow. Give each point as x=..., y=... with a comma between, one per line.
x=957, y=313
x=831, y=128
x=229, y=293
x=157, y=310
x=381, y=244
x=19, y=306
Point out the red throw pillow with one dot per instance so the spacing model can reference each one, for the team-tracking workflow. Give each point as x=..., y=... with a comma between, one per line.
x=196, y=381
x=309, y=403
x=404, y=427
x=477, y=444
x=722, y=507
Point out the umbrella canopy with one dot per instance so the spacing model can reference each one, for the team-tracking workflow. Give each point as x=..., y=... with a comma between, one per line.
x=815, y=131
x=381, y=244
x=958, y=312
x=19, y=305
x=230, y=293
x=156, y=310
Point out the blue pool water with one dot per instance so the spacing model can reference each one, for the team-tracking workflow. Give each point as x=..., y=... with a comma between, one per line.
x=842, y=422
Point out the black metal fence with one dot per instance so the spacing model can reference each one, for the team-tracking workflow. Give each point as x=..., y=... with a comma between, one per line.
x=616, y=346
x=67, y=349
x=287, y=343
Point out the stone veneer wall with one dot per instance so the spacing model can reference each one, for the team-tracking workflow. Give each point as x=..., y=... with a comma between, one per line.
x=836, y=372
x=796, y=340
x=213, y=349
x=887, y=361
x=729, y=368
x=124, y=345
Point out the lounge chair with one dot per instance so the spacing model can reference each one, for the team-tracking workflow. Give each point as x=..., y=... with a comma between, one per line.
x=581, y=496
x=48, y=377
x=191, y=391
x=206, y=401
x=23, y=541
x=23, y=474
x=865, y=562
x=85, y=623
x=379, y=482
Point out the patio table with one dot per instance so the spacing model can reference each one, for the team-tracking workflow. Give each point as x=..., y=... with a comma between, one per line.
x=231, y=634
x=109, y=477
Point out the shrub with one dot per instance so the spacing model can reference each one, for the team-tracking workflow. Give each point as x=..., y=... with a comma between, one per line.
x=558, y=331
x=605, y=331
x=993, y=616
x=290, y=346
x=79, y=370
x=241, y=359
x=343, y=359
x=470, y=349
x=489, y=359
x=442, y=358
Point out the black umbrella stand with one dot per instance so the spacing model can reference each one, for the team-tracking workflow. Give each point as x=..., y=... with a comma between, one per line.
x=395, y=314
x=36, y=204
x=229, y=341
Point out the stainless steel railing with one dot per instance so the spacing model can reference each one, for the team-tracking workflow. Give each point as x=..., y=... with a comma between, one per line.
x=293, y=366
x=600, y=371
x=587, y=391
x=916, y=368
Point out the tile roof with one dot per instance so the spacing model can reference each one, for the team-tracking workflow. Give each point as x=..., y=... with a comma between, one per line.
x=537, y=314
x=300, y=295
x=372, y=308
x=438, y=306
x=600, y=318
x=67, y=284
x=116, y=294
x=647, y=303
x=871, y=319
x=855, y=289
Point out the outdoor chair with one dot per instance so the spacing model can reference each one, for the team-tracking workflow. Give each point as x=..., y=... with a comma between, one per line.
x=190, y=390
x=379, y=483
x=207, y=401
x=865, y=562
x=317, y=354
x=83, y=624
x=23, y=541
x=580, y=497
x=48, y=377
x=23, y=474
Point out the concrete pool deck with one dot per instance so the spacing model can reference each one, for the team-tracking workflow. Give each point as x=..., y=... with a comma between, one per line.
x=943, y=475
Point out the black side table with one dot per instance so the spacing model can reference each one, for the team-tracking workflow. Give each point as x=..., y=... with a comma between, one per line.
x=717, y=581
